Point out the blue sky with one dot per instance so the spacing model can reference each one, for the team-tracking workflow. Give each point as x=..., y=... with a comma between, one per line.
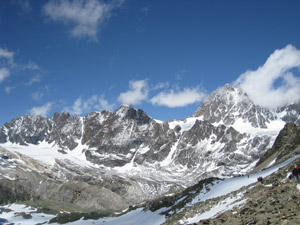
x=164, y=57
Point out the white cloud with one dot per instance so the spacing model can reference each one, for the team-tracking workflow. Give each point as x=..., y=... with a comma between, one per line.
x=42, y=110
x=31, y=66
x=261, y=86
x=76, y=108
x=85, y=17
x=138, y=92
x=6, y=58
x=95, y=102
x=8, y=89
x=104, y=105
x=4, y=73
x=4, y=53
x=160, y=86
x=37, y=96
x=8, y=65
x=183, y=98
x=34, y=79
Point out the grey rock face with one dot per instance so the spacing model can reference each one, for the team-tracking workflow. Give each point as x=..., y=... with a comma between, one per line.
x=228, y=104
x=63, y=129
x=292, y=113
x=66, y=130
x=122, y=134
x=27, y=129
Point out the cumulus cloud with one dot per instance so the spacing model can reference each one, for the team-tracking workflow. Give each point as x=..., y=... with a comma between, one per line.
x=172, y=98
x=138, y=92
x=82, y=106
x=262, y=85
x=84, y=16
x=42, y=110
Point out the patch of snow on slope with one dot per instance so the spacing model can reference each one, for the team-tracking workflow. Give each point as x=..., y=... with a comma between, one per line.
x=15, y=216
x=225, y=205
x=226, y=186
x=48, y=153
x=245, y=127
x=127, y=167
x=137, y=216
x=168, y=159
x=186, y=124
x=271, y=163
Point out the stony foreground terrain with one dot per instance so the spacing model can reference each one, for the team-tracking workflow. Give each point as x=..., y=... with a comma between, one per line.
x=275, y=201
x=276, y=204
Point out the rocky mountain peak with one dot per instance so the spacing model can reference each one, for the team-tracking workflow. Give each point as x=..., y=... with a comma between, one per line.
x=228, y=104
x=63, y=117
x=123, y=109
x=128, y=112
x=291, y=113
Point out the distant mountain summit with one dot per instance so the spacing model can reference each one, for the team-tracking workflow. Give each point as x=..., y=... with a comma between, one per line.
x=226, y=136
x=227, y=105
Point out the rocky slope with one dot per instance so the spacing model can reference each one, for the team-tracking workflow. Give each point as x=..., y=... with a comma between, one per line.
x=275, y=201
x=130, y=157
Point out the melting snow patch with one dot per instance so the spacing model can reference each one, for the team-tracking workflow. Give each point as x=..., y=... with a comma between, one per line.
x=185, y=125
x=48, y=153
x=271, y=163
x=14, y=215
x=225, y=205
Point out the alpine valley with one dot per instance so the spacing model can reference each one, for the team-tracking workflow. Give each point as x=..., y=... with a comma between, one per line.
x=108, y=161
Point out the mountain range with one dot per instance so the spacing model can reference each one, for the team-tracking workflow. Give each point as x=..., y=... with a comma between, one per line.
x=111, y=160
